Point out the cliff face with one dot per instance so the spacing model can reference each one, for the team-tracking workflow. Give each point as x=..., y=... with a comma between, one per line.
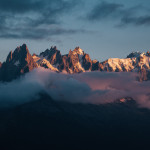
x=20, y=61
x=17, y=63
x=52, y=55
x=72, y=62
x=75, y=61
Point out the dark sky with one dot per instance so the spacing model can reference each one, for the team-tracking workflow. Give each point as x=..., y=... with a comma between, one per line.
x=102, y=28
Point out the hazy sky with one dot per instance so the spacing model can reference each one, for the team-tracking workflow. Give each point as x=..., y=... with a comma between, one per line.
x=107, y=28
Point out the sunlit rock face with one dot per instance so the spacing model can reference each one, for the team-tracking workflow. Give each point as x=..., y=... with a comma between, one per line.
x=52, y=55
x=78, y=51
x=137, y=62
x=46, y=64
x=48, y=59
x=118, y=65
x=72, y=62
x=18, y=62
x=53, y=60
x=77, y=61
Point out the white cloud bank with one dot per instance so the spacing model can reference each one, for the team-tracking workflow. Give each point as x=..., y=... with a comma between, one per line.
x=89, y=87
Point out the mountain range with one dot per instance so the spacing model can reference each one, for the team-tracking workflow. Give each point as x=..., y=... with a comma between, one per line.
x=44, y=122
x=20, y=61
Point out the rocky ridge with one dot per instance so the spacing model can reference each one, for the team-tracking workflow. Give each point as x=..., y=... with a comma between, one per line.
x=17, y=63
x=20, y=61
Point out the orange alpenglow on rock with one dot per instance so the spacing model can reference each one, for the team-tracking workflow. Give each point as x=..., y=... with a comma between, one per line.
x=77, y=61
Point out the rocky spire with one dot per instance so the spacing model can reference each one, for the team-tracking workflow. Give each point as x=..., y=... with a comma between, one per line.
x=79, y=51
x=17, y=63
x=9, y=57
x=87, y=62
x=52, y=55
x=20, y=61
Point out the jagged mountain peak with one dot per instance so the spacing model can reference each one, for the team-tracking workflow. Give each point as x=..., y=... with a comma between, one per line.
x=49, y=52
x=46, y=64
x=53, y=48
x=22, y=49
x=78, y=50
x=34, y=55
x=45, y=53
x=20, y=61
x=17, y=63
x=9, y=57
x=19, y=54
x=53, y=55
x=136, y=54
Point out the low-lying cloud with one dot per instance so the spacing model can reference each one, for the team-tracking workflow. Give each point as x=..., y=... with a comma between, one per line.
x=89, y=87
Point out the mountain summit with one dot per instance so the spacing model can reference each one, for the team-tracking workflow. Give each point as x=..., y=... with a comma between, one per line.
x=20, y=62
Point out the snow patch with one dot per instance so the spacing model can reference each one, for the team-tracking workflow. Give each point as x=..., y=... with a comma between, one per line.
x=46, y=63
x=79, y=51
x=17, y=63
